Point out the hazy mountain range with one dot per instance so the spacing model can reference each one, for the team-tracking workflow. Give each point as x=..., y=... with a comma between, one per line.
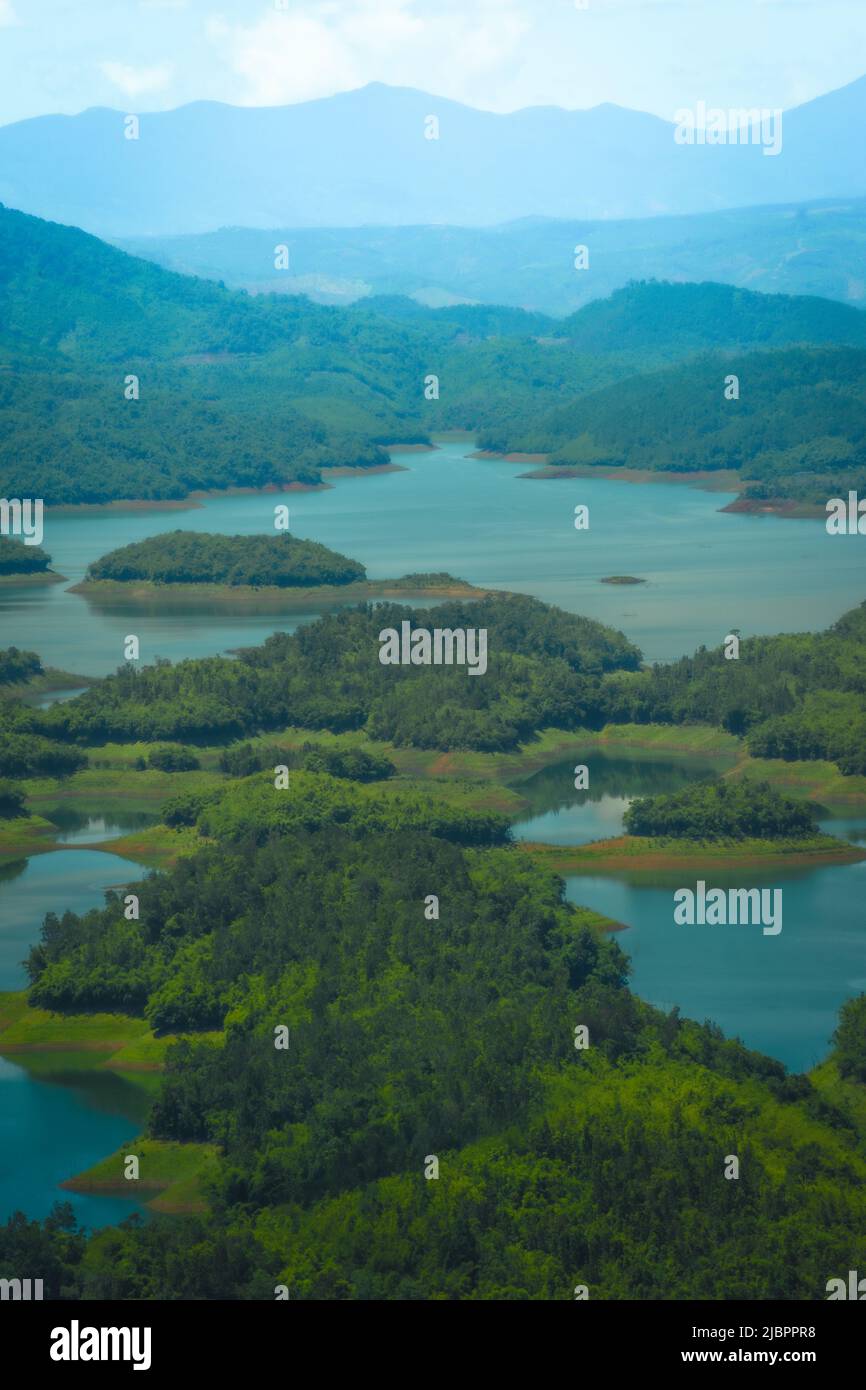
x=362, y=158
x=803, y=248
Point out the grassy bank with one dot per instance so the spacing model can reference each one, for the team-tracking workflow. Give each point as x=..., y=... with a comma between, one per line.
x=21, y=836
x=14, y=581
x=632, y=853
x=170, y=1174
x=109, y=593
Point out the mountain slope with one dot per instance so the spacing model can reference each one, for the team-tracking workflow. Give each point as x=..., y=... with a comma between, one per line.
x=791, y=248
x=240, y=390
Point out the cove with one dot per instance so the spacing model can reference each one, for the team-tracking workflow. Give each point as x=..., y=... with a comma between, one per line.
x=781, y=994
x=59, y=1113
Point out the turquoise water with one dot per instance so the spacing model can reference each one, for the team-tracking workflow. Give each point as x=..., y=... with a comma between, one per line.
x=780, y=994
x=57, y=1123
x=67, y=878
x=57, y=1114
x=706, y=571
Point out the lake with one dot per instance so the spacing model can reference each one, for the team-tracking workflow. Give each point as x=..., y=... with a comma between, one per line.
x=706, y=572
x=780, y=994
x=58, y=1113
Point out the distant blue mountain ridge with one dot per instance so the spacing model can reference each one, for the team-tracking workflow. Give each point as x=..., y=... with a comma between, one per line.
x=362, y=158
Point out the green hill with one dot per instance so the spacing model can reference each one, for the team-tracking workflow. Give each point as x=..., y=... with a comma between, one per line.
x=191, y=557
x=797, y=430
x=240, y=390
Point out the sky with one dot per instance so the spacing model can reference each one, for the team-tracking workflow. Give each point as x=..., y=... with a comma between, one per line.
x=651, y=55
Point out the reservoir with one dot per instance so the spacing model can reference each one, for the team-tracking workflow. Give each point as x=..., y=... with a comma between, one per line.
x=706, y=573
x=779, y=994
x=59, y=1112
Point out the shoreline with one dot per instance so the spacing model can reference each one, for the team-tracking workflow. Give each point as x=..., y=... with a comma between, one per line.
x=625, y=854
x=267, y=598
x=13, y=581
x=706, y=480
x=195, y=499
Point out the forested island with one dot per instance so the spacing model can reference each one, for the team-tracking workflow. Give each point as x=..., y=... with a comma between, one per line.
x=20, y=562
x=192, y=557
x=722, y=811
x=254, y=573
x=723, y=824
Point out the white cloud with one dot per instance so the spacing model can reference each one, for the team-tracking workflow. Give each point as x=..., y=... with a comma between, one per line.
x=7, y=13
x=315, y=49
x=132, y=81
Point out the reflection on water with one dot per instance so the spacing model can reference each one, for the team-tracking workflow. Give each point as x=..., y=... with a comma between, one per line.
x=73, y=879
x=77, y=827
x=563, y=816
x=57, y=1118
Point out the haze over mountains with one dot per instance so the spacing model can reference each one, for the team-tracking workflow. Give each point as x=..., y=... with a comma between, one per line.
x=361, y=158
x=800, y=248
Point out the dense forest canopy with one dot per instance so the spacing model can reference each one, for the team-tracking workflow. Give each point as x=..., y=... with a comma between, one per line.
x=454, y=1037
x=545, y=668
x=192, y=557
x=18, y=558
x=241, y=390
x=17, y=666
x=721, y=811
x=795, y=696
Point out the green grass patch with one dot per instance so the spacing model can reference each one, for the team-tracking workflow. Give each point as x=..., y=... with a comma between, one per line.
x=21, y=836
x=638, y=852
x=170, y=1173
x=157, y=846
x=25, y=1029
x=816, y=781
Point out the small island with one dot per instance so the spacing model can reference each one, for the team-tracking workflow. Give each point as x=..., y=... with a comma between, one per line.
x=720, y=824
x=256, y=573
x=25, y=564
x=194, y=557
x=622, y=579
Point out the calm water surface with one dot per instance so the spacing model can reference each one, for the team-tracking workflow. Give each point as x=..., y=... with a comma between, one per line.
x=58, y=1114
x=780, y=994
x=706, y=571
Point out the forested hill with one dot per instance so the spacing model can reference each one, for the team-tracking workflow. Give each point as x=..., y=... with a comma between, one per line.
x=452, y=1039
x=798, y=428
x=64, y=292
x=544, y=668
x=185, y=384
x=796, y=696
x=674, y=320
x=190, y=557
